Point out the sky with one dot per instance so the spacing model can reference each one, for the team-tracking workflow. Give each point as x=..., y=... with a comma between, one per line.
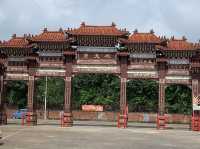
x=166, y=17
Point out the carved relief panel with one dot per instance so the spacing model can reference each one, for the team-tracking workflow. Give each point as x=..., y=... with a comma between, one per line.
x=85, y=56
x=96, y=58
x=195, y=94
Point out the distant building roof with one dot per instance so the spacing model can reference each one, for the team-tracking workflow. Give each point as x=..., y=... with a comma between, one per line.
x=179, y=44
x=144, y=38
x=50, y=36
x=16, y=42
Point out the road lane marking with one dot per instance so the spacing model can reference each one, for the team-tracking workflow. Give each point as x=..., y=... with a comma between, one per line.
x=13, y=134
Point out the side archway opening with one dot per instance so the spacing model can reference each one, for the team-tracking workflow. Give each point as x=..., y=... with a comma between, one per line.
x=178, y=99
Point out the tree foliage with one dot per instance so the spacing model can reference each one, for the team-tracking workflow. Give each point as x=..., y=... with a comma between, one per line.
x=103, y=89
x=96, y=89
x=16, y=93
x=142, y=95
x=55, y=92
x=178, y=99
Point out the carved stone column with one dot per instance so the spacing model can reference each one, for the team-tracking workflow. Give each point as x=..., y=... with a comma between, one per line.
x=162, y=69
x=123, y=59
x=195, y=94
x=123, y=115
x=161, y=118
x=3, y=115
x=31, y=116
x=195, y=125
x=123, y=99
x=67, y=102
x=67, y=116
x=161, y=103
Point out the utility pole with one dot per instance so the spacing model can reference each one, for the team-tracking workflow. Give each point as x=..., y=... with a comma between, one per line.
x=45, y=100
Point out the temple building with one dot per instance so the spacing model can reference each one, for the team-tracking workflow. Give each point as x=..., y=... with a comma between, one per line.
x=100, y=49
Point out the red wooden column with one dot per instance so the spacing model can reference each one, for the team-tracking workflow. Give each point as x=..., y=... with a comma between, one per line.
x=196, y=104
x=3, y=115
x=31, y=117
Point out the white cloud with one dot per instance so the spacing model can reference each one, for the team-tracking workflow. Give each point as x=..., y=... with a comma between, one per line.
x=170, y=17
x=2, y=17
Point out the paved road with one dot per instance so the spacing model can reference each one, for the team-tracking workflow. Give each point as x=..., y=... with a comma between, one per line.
x=98, y=135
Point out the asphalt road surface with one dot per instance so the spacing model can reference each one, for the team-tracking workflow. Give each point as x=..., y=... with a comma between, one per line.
x=97, y=135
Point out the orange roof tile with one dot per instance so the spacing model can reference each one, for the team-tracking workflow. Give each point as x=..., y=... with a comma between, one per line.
x=18, y=42
x=180, y=44
x=51, y=36
x=97, y=30
x=144, y=38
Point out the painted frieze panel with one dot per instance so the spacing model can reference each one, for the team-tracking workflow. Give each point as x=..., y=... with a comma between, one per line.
x=96, y=69
x=178, y=61
x=142, y=74
x=145, y=66
x=144, y=55
x=52, y=64
x=178, y=72
x=17, y=69
x=96, y=58
x=17, y=76
x=50, y=72
x=178, y=80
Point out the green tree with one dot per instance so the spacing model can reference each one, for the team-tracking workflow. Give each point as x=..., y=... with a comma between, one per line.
x=99, y=89
x=178, y=99
x=142, y=95
x=55, y=92
x=16, y=94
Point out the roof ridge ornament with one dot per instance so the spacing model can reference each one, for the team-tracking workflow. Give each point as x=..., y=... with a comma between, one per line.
x=45, y=30
x=135, y=31
x=83, y=24
x=60, y=29
x=113, y=24
x=25, y=36
x=152, y=31
x=14, y=36
x=184, y=38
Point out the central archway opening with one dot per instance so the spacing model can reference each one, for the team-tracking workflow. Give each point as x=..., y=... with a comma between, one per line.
x=96, y=89
x=142, y=96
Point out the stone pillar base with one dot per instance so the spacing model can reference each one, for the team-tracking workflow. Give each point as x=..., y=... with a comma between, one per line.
x=195, y=123
x=161, y=122
x=31, y=118
x=67, y=120
x=3, y=118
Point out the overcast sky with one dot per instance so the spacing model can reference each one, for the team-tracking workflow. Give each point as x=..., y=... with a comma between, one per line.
x=166, y=17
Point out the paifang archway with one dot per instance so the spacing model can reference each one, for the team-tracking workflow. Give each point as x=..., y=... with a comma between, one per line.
x=100, y=49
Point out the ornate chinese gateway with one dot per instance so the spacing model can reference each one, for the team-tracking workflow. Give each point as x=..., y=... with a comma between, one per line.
x=99, y=49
